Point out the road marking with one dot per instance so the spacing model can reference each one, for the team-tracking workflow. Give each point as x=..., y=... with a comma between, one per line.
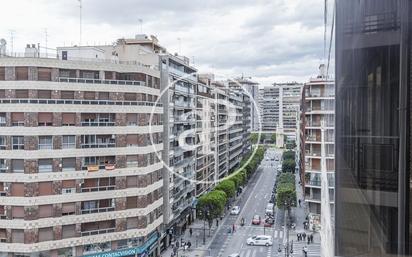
x=248, y=253
x=276, y=234
x=280, y=234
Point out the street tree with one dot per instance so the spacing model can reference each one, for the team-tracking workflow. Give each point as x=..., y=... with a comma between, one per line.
x=285, y=195
x=288, y=165
x=212, y=204
x=227, y=186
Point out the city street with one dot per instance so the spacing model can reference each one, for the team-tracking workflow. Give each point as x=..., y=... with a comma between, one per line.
x=253, y=202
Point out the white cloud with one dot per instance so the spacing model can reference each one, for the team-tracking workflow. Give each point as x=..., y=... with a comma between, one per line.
x=269, y=40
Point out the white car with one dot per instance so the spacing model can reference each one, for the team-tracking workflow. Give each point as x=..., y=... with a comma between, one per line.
x=235, y=210
x=260, y=240
x=234, y=255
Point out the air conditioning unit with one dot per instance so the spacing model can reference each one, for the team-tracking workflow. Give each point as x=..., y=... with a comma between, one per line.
x=2, y=240
x=2, y=193
x=2, y=217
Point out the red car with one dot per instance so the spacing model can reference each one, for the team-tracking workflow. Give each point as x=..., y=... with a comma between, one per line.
x=256, y=220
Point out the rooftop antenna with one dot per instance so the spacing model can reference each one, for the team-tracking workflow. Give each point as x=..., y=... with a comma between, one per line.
x=140, y=26
x=80, y=21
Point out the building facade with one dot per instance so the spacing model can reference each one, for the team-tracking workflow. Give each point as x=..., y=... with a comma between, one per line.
x=178, y=83
x=373, y=128
x=318, y=118
x=251, y=89
x=79, y=176
x=269, y=104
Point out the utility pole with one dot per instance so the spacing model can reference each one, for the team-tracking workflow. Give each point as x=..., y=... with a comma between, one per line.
x=80, y=23
x=45, y=35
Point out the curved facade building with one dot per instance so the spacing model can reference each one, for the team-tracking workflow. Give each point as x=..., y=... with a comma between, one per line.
x=78, y=173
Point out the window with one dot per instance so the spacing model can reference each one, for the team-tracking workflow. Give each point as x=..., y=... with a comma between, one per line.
x=68, y=119
x=103, y=95
x=131, y=119
x=2, y=73
x=17, y=165
x=44, y=74
x=68, y=164
x=17, y=235
x=2, y=119
x=44, y=94
x=17, y=212
x=131, y=161
x=46, y=234
x=2, y=142
x=3, y=167
x=130, y=96
x=89, y=95
x=22, y=93
x=45, y=188
x=68, y=209
x=45, y=142
x=45, y=119
x=46, y=211
x=68, y=231
x=69, y=142
x=45, y=165
x=18, y=142
x=22, y=73
x=67, y=95
x=17, y=119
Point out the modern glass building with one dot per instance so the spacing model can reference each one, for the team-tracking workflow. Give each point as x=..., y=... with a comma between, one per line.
x=373, y=128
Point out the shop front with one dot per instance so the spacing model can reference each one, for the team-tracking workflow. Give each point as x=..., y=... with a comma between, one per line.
x=148, y=249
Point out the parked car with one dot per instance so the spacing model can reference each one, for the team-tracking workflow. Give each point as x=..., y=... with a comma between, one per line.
x=234, y=255
x=260, y=240
x=256, y=220
x=235, y=210
x=269, y=209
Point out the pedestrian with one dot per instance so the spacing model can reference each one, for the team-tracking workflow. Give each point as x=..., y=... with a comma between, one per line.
x=299, y=201
x=190, y=232
x=298, y=235
x=233, y=228
x=217, y=223
x=304, y=236
x=177, y=244
x=308, y=239
x=311, y=238
x=189, y=244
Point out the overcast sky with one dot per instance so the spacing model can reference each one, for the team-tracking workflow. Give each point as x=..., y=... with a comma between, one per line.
x=268, y=40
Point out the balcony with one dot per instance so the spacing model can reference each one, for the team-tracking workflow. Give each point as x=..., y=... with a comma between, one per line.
x=102, y=81
x=97, y=123
x=98, y=188
x=97, y=232
x=77, y=102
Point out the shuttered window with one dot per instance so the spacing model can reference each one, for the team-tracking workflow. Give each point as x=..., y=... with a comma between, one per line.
x=17, y=165
x=17, y=236
x=45, y=211
x=45, y=165
x=22, y=73
x=131, y=161
x=45, y=188
x=132, y=223
x=44, y=94
x=132, y=181
x=2, y=73
x=17, y=189
x=67, y=95
x=17, y=212
x=68, y=119
x=44, y=74
x=130, y=96
x=131, y=140
x=22, y=93
x=45, y=119
x=69, y=164
x=68, y=231
x=68, y=209
x=131, y=119
x=131, y=202
x=89, y=95
x=69, y=183
x=46, y=234
x=103, y=95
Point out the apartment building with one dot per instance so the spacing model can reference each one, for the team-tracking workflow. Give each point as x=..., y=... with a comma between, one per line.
x=206, y=136
x=79, y=174
x=179, y=83
x=221, y=94
x=269, y=105
x=318, y=121
x=250, y=88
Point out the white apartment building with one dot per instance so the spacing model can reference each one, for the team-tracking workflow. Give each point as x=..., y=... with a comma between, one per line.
x=319, y=114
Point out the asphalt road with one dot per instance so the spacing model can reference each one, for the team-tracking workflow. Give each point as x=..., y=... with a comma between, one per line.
x=253, y=201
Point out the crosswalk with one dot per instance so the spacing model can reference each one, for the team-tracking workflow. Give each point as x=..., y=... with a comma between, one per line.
x=313, y=248
x=256, y=252
x=245, y=230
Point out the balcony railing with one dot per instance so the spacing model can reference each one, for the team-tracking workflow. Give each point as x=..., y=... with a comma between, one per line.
x=80, y=102
x=98, y=145
x=102, y=81
x=98, y=188
x=97, y=232
x=97, y=123
x=97, y=210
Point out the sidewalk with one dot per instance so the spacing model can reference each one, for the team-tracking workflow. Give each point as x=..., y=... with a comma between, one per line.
x=198, y=249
